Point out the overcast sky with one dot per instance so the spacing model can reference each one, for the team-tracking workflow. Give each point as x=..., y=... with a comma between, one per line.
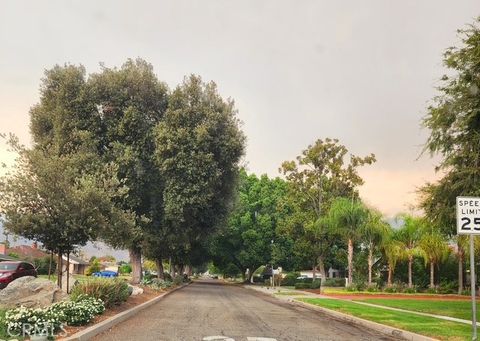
x=360, y=71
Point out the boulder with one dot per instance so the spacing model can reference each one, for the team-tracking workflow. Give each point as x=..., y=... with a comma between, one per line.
x=31, y=292
x=135, y=290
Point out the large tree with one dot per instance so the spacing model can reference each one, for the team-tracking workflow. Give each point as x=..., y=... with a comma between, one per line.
x=349, y=217
x=372, y=234
x=434, y=249
x=199, y=148
x=246, y=242
x=321, y=173
x=410, y=234
x=129, y=103
x=46, y=199
x=454, y=123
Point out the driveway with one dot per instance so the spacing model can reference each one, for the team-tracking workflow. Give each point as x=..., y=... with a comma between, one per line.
x=209, y=308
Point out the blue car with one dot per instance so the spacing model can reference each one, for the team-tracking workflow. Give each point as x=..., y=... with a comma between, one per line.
x=105, y=273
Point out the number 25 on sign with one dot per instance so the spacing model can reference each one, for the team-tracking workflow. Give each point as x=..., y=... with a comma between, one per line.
x=468, y=215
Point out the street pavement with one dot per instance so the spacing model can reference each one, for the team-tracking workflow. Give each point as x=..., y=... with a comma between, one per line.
x=210, y=310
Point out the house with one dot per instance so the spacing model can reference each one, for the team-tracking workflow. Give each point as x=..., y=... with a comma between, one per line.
x=108, y=263
x=331, y=273
x=77, y=265
x=3, y=256
x=27, y=251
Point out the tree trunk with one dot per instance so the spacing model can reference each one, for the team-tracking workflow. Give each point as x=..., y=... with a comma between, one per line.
x=50, y=265
x=68, y=272
x=432, y=275
x=350, y=262
x=59, y=269
x=390, y=275
x=410, y=279
x=136, y=261
x=321, y=267
x=159, y=264
x=370, y=264
x=172, y=268
x=461, y=256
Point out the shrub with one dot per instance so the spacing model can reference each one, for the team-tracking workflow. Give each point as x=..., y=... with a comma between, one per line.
x=390, y=289
x=49, y=320
x=178, y=280
x=302, y=285
x=334, y=282
x=351, y=288
x=125, y=269
x=167, y=277
x=448, y=287
x=110, y=291
x=372, y=288
x=410, y=290
x=431, y=291
x=46, y=320
x=394, y=288
x=359, y=286
x=290, y=279
x=94, y=267
x=79, y=312
x=258, y=279
x=160, y=284
x=315, y=284
x=146, y=281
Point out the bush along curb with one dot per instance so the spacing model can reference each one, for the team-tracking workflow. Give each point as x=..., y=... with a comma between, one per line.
x=98, y=328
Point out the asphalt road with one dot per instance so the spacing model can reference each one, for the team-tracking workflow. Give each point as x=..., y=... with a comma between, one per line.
x=209, y=308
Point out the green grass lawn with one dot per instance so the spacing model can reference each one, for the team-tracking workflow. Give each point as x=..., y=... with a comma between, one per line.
x=458, y=309
x=342, y=291
x=429, y=326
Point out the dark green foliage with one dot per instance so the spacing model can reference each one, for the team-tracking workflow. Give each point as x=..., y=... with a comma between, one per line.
x=334, y=282
x=93, y=267
x=290, y=279
x=247, y=240
x=302, y=285
x=125, y=269
x=110, y=291
x=42, y=264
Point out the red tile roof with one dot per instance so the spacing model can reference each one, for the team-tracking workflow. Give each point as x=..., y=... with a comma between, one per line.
x=26, y=251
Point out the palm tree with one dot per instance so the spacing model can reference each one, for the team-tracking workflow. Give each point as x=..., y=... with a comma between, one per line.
x=373, y=233
x=434, y=250
x=393, y=251
x=348, y=217
x=409, y=235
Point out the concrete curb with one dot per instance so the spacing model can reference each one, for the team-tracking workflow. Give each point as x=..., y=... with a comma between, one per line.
x=98, y=328
x=381, y=328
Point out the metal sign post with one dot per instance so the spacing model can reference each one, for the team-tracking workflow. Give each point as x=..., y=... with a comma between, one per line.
x=472, y=286
x=468, y=222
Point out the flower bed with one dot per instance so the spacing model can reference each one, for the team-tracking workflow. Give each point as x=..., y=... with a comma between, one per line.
x=51, y=319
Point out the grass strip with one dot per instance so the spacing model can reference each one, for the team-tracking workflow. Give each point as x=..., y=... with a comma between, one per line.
x=428, y=326
x=458, y=309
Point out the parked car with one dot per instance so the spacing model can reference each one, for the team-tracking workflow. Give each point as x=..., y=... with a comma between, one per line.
x=10, y=271
x=105, y=273
x=302, y=277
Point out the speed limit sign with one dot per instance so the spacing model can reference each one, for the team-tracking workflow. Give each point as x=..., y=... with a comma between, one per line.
x=468, y=215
